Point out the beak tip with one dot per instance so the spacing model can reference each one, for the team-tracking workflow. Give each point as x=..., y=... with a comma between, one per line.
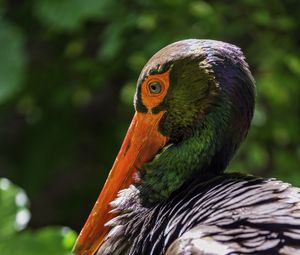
x=76, y=249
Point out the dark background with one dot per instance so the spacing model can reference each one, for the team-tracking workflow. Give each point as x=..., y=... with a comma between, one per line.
x=67, y=77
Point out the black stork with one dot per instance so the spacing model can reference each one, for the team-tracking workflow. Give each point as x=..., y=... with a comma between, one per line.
x=167, y=192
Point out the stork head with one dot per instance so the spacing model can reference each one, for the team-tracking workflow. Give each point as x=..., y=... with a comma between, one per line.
x=194, y=103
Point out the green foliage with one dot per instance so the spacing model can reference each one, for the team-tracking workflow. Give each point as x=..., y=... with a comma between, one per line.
x=69, y=14
x=14, y=216
x=12, y=60
x=67, y=76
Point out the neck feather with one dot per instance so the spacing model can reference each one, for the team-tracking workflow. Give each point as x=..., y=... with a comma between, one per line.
x=204, y=151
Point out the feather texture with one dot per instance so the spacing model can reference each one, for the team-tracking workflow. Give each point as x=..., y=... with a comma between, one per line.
x=239, y=214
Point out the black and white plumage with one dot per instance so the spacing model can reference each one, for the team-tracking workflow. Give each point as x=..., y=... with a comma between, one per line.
x=230, y=214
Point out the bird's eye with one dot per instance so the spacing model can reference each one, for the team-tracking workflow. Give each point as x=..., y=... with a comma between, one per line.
x=155, y=87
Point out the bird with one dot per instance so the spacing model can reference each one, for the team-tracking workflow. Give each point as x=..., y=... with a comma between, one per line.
x=168, y=191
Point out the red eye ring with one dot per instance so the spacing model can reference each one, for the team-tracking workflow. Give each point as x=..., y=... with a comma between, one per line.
x=154, y=89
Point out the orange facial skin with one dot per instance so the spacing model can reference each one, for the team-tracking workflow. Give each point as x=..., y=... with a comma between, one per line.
x=149, y=99
x=141, y=144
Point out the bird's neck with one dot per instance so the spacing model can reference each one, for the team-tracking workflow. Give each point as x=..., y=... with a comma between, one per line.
x=205, y=152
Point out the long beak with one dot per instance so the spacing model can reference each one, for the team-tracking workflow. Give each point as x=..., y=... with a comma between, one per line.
x=141, y=144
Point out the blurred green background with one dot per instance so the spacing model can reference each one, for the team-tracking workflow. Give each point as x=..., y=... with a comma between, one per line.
x=67, y=76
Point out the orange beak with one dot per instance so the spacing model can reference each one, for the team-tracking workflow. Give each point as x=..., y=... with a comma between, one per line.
x=141, y=144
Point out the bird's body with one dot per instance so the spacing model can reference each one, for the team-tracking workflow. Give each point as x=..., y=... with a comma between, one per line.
x=228, y=214
x=194, y=104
